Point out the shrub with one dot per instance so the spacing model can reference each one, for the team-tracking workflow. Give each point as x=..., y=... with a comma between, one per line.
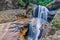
x=20, y=2
x=42, y=2
x=55, y=25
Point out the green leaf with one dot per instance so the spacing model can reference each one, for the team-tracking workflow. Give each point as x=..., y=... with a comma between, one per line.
x=21, y=2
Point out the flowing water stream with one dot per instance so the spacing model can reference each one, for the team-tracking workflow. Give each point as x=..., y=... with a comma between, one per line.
x=39, y=16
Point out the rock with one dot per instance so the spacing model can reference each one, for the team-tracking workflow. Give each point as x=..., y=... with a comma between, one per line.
x=11, y=36
x=9, y=30
x=10, y=15
x=11, y=4
x=10, y=27
x=56, y=36
x=49, y=37
x=7, y=18
x=8, y=4
x=57, y=33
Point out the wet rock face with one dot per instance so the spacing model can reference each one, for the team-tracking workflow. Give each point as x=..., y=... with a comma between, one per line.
x=8, y=4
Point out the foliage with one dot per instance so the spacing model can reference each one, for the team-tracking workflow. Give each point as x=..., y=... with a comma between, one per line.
x=20, y=2
x=55, y=25
x=42, y=2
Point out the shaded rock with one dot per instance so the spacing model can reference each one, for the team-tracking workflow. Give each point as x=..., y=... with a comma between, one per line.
x=11, y=4
x=8, y=4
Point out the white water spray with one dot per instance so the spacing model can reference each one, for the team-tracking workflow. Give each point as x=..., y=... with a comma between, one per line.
x=40, y=19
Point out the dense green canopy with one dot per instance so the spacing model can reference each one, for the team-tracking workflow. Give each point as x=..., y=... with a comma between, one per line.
x=40, y=2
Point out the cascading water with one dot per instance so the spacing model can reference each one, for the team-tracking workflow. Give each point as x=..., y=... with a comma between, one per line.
x=39, y=16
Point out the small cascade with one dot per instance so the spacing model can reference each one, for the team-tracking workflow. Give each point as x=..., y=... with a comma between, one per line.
x=39, y=16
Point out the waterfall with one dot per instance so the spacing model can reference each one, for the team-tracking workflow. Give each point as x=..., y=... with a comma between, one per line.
x=40, y=14
x=42, y=18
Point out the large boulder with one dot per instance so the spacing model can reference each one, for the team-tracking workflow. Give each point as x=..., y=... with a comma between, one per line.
x=9, y=31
